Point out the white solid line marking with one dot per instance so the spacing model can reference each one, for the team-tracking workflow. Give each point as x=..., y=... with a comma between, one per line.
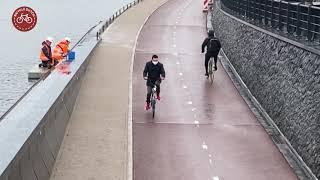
x=216, y=178
x=210, y=161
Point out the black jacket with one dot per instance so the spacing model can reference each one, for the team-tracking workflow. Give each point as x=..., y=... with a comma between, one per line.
x=46, y=49
x=153, y=72
x=205, y=43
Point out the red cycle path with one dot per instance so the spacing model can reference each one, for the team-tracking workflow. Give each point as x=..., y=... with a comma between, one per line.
x=201, y=131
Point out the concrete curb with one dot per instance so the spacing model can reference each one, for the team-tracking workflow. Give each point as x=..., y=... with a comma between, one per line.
x=292, y=157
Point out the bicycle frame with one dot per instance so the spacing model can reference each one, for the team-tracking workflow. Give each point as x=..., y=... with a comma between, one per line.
x=153, y=99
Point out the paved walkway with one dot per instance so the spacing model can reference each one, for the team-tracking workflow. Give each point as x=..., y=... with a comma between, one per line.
x=201, y=131
x=95, y=146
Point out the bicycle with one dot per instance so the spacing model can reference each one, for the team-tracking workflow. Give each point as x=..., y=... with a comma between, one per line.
x=153, y=98
x=24, y=17
x=211, y=69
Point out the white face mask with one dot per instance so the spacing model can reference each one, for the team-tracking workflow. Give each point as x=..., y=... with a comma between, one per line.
x=155, y=62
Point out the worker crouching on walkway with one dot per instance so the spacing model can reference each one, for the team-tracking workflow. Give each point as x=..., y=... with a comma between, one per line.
x=61, y=50
x=46, y=54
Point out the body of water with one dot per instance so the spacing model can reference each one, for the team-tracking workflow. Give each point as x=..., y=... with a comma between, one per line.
x=56, y=18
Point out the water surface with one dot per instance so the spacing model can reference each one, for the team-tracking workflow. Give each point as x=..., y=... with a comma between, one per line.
x=57, y=18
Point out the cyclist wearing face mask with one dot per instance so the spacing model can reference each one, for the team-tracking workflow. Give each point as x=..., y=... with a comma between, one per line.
x=153, y=73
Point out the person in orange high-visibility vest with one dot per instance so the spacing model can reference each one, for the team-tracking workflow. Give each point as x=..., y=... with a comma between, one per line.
x=61, y=50
x=46, y=54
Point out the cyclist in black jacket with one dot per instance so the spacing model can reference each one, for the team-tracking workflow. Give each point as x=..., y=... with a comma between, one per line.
x=213, y=47
x=153, y=73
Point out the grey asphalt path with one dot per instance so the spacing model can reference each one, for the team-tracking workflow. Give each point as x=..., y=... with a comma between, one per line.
x=97, y=143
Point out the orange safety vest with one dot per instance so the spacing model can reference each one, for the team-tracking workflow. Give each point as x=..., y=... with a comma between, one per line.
x=60, y=50
x=43, y=57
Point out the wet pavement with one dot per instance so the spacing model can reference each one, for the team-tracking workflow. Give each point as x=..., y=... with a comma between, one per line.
x=98, y=142
x=201, y=130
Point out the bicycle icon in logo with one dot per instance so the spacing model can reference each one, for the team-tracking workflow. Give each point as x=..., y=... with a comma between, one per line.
x=25, y=18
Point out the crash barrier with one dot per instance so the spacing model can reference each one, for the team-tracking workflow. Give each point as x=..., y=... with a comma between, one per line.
x=32, y=130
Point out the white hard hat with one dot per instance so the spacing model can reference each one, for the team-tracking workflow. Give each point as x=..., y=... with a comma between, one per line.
x=67, y=39
x=50, y=39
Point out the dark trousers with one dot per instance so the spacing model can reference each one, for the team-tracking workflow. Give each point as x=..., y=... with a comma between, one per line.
x=46, y=64
x=149, y=90
x=207, y=58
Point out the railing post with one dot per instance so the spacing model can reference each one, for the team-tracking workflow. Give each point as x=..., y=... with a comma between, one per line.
x=247, y=9
x=279, y=16
x=243, y=12
x=237, y=6
x=243, y=8
x=309, y=23
x=298, y=31
x=265, y=12
x=288, y=18
x=254, y=7
x=272, y=13
x=260, y=11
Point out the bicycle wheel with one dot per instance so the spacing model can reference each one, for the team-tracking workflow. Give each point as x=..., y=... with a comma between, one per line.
x=153, y=106
x=19, y=20
x=210, y=70
x=211, y=77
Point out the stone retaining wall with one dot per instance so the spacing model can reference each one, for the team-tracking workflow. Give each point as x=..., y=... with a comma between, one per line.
x=284, y=78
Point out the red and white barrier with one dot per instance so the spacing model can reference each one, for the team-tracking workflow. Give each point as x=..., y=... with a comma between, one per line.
x=205, y=5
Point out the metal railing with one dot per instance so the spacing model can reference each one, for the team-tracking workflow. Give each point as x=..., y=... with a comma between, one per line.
x=302, y=21
x=114, y=16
